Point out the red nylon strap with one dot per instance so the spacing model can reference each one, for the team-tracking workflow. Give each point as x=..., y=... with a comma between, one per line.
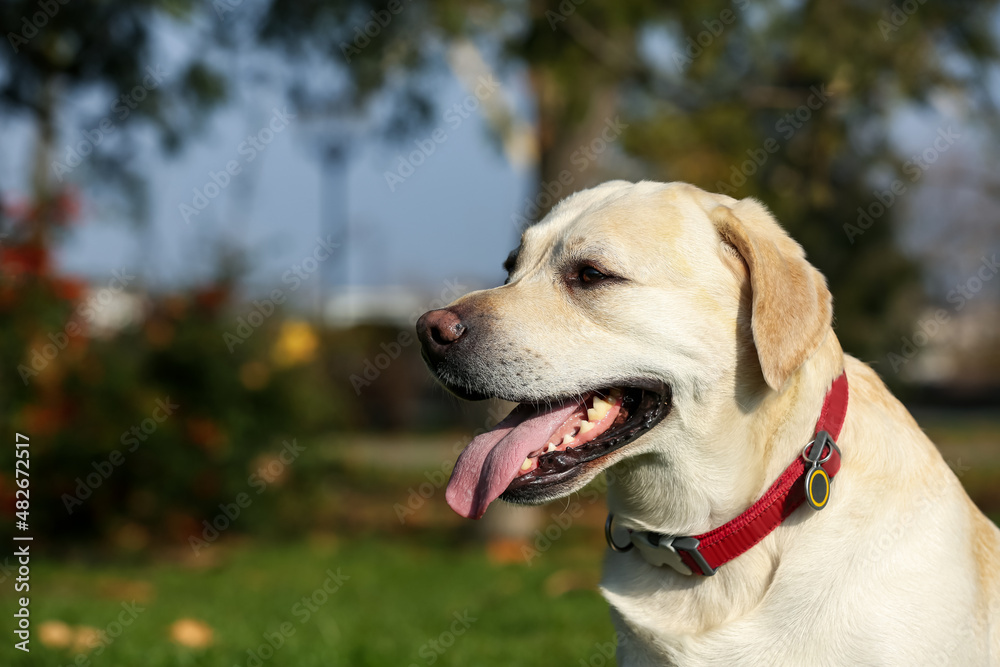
x=723, y=544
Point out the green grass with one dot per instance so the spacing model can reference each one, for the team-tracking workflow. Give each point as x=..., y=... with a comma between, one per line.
x=405, y=582
x=399, y=596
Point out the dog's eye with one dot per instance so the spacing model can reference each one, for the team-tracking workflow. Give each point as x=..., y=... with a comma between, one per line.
x=510, y=263
x=589, y=275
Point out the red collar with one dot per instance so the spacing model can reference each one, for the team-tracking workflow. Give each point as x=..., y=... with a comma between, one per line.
x=807, y=479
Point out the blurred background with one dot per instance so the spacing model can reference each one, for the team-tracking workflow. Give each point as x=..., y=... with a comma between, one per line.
x=220, y=220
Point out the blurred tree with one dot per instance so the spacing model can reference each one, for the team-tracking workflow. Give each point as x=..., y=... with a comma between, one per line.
x=788, y=102
x=56, y=53
x=91, y=82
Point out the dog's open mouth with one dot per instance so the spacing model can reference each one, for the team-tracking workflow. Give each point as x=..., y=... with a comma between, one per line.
x=539, y=445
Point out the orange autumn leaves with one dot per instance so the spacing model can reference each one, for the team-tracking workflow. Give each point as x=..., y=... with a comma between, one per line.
x=187, y=632
x=192, y=633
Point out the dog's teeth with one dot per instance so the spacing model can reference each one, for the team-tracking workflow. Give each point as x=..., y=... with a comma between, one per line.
x=526, y=465
x=600, y=409
x=615, y=392
x=551, y=448
x=585, y=426
x=568, y=438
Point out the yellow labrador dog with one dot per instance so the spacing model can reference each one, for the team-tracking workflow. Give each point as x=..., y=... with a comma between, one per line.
x=680, y=341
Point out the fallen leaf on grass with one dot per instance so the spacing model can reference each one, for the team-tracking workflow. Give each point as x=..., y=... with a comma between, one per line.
x=192, y=633
x=55, y=634
x=507, y=550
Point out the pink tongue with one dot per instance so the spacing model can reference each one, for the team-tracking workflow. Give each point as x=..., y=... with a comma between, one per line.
x=491, y=460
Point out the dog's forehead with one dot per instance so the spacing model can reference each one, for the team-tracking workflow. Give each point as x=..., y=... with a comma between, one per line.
x=621, y=216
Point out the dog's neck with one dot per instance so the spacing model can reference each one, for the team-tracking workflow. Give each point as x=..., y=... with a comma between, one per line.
x=719, y=455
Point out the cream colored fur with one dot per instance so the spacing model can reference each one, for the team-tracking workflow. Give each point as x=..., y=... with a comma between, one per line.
x=899, y=569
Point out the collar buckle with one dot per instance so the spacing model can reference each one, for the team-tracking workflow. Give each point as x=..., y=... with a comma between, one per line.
x=659, y=550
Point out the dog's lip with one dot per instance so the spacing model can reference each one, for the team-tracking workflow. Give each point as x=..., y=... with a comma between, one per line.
x=468, y=393
x=646, y=384
x=650, y=407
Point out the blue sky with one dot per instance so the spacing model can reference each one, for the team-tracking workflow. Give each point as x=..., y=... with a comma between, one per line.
x=449, y=220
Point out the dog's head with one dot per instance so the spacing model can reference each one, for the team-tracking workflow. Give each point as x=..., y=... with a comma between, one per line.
x=630, y=312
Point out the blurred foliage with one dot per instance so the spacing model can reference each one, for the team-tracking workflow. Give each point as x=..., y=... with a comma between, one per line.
x=702, y=88
x=58, y=53
x=195, y=401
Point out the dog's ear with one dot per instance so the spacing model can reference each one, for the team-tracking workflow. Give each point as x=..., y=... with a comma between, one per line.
x=792, y=307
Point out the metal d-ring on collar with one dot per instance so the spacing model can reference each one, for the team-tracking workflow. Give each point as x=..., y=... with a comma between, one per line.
x=608, y=526
x=817, y=457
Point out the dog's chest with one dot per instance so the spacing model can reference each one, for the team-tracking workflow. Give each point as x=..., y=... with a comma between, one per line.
x=716, y=623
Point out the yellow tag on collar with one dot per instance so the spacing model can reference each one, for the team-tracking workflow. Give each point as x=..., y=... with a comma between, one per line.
x=817, y=487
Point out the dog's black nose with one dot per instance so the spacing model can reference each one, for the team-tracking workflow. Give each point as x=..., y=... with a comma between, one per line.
x=438, y=329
